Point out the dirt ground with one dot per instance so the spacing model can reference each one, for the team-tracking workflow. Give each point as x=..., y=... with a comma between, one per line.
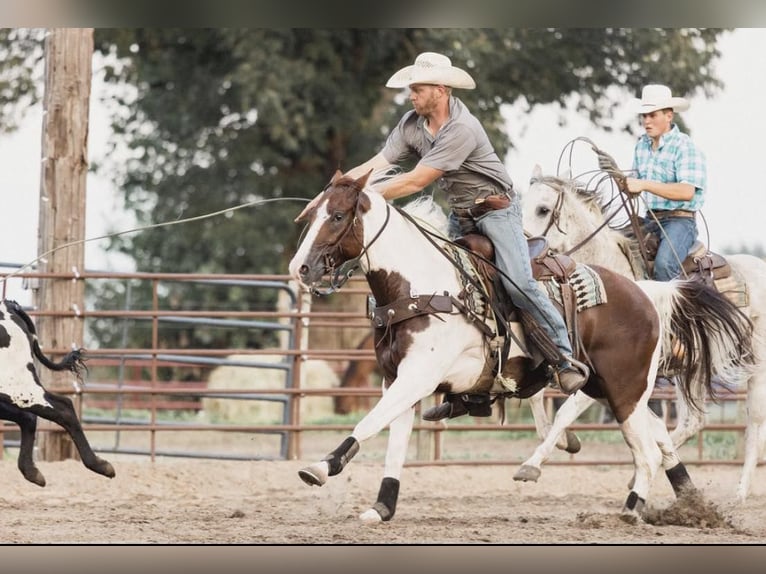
x=182, y=501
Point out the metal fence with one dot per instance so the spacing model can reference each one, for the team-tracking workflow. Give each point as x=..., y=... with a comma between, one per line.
x=129, y=407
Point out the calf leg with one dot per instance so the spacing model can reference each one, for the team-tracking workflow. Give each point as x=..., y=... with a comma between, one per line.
x=62, y=413
x=27, y=425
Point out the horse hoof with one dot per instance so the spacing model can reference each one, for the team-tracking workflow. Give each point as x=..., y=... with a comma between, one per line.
x=573, y=443
x=315, y=475
x=370, y=516
x=527, y=473
x=630, y=517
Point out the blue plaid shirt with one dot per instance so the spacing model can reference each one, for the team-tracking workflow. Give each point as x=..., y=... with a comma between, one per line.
x=676, y=160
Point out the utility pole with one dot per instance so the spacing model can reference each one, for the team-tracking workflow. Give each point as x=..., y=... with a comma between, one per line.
x=68, y=70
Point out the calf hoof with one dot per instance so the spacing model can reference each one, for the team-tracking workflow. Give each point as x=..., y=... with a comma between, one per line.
x=573, y=443
x=106, y=469
x=527, y=473
x=315, y=475
x=34, y=476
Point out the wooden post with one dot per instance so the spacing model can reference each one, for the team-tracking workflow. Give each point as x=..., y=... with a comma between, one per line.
x=68, y=69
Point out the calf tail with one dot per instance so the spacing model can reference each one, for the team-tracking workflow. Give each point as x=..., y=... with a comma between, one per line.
x=74, y=361
x=704, y=334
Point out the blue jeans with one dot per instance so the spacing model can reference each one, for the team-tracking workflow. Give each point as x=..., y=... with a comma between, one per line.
x=504, y=228
x=676, y=238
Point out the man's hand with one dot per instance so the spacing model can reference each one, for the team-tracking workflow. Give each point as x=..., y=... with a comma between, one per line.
x=633, y=185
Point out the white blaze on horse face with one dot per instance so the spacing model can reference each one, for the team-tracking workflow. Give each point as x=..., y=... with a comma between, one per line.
x=304, y=248
x=18, y=382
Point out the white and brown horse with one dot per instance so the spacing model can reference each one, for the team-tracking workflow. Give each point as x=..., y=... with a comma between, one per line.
x=576, y=219
x=438, y=348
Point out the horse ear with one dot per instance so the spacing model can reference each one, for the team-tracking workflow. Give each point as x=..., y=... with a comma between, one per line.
x=537, y=171
x=338, y=174
x=362, y=181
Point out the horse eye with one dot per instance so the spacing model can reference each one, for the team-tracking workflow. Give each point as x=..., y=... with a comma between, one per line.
x=541, y=211
x=338, y=216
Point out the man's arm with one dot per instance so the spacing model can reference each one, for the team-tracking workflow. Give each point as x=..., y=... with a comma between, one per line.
x=375, y=163
x=409, y=182
x=672, y=191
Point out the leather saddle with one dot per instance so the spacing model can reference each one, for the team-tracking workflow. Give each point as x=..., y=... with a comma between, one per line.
x=708, y=267
x=546, y=264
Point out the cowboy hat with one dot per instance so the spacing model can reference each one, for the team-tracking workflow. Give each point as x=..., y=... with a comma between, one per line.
x=658, y=97
x=431, y=68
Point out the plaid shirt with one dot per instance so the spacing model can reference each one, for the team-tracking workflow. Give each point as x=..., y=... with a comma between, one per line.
x=676, y=160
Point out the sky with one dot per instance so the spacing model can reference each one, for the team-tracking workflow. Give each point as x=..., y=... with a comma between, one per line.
x=729, y=127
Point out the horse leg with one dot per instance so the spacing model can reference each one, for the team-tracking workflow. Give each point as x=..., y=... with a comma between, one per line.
x=399, y=433
x=755, y=432
x=675, y=470
x=61, y=411
x=638, y=433
x=689, y=420
x=27, y=425
x=567, y=441
x=572, y=408
x=410, y=386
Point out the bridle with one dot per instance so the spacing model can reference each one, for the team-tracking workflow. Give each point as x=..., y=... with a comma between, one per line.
x=340, y=275
x=558, y=186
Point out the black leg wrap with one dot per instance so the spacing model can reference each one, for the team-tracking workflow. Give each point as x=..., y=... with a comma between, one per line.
x=634, y=502
x=679, y=479
x=339, y=458
x=387, y=497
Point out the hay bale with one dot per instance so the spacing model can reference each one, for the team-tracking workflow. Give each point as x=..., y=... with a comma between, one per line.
x=314, y=374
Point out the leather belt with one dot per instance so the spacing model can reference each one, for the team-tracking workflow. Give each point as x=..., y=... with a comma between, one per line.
x=484, y=205
x=665, y=213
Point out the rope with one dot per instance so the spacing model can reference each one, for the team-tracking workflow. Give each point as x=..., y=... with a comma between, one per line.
x=145, y=227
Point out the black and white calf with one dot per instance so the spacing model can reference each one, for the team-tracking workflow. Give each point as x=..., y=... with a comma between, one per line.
x=23, y=397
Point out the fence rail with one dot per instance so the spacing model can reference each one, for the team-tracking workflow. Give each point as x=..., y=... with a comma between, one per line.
x=125, y=395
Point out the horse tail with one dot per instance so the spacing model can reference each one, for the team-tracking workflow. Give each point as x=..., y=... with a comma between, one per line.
x=704, y=334
x=74, y=361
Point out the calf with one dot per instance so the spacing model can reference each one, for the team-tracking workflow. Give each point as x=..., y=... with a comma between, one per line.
x=23, y=398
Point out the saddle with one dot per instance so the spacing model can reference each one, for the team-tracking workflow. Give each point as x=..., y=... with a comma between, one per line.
x=546, y=266
x=700, y=264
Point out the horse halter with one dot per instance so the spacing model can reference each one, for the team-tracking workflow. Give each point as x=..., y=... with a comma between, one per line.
x=340, y=275
x=557, y=185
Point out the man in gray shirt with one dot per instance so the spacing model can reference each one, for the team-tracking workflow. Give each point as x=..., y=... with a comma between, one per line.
x=453, y=150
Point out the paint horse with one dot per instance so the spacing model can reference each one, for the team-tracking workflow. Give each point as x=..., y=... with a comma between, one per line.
x=437, y=347
x=23, y=398
x=571, y=217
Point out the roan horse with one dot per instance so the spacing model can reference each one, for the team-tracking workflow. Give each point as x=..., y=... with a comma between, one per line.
x=23, y=398
x=436, y=347
x=569, y=215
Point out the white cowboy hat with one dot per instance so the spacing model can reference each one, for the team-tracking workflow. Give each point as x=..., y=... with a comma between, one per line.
x=658, y=97
x=431, y=68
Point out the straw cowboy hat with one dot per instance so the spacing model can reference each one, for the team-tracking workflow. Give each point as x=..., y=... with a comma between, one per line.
x=431, y=68
x=658, y=97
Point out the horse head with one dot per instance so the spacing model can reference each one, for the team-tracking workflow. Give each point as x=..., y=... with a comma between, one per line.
x=335, y=233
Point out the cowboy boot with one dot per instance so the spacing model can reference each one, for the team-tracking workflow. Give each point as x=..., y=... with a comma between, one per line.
x=572, y=375
x=476, y=405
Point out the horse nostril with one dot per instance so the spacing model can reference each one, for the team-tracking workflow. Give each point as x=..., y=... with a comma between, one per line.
x=303, y=271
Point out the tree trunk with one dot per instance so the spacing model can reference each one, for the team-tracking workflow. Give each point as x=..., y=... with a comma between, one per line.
x=68, y=69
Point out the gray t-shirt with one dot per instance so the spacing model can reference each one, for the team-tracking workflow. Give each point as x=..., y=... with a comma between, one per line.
x=461, y=149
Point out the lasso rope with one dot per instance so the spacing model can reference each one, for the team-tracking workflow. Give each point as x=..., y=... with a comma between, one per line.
x=145, y=227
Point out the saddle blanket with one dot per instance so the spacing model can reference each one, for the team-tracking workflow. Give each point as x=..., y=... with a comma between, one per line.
x=586, y=284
